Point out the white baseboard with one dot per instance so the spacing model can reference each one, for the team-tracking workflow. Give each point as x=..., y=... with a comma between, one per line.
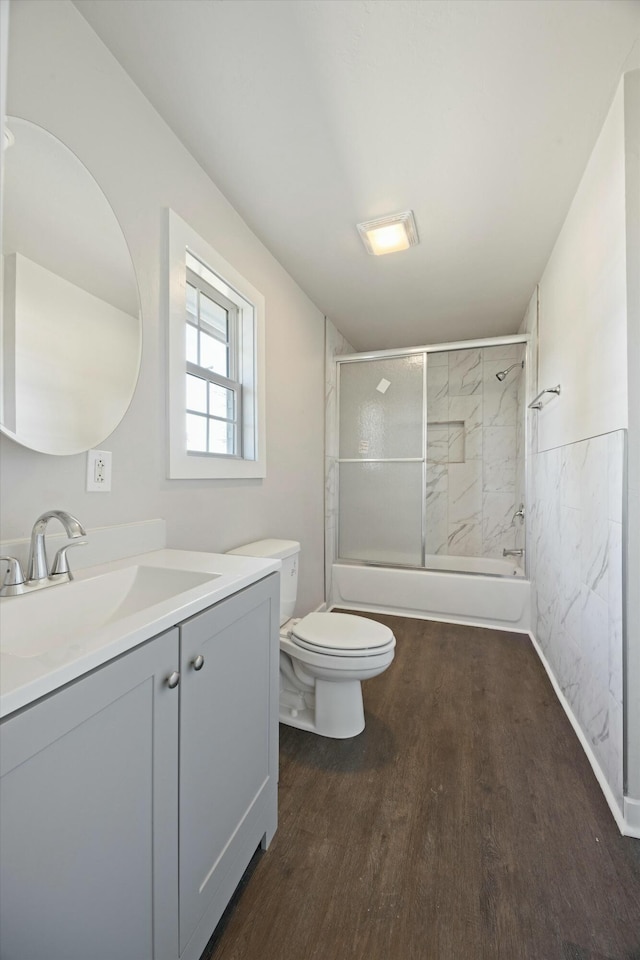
x=625, y=826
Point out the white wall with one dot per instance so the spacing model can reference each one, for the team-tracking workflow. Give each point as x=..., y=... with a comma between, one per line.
x=583, y=319
x=62, y=77
x=585, y=532
x=632, y=175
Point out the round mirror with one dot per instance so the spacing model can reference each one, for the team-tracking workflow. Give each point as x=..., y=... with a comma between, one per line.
x=71, y=334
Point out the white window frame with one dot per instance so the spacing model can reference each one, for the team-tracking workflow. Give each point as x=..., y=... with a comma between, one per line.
x=251, y=361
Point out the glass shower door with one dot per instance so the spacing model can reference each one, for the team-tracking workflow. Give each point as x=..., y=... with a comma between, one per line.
x=382, y=460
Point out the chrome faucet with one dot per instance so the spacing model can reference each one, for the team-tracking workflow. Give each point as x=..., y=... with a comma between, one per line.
x=38, y=568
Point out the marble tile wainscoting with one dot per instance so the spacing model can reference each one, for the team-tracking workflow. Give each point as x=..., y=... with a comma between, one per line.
x=475, y=451
x=575, y=556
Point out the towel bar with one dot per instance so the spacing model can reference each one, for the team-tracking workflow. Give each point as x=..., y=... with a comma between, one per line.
x=536, y=403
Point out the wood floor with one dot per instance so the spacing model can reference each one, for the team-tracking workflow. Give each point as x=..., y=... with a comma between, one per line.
x=464, y=823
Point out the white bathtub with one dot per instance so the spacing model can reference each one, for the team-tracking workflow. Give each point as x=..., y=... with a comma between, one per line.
x=491, y=597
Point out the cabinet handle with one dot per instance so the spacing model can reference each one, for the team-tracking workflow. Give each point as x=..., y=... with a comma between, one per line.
x=198, y=662
x=173, y=680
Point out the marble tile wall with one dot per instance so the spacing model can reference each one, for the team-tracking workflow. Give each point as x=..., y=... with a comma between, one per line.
x=475, y=451
x=575, y=557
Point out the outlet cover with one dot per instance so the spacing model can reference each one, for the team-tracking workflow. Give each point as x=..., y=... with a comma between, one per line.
x=99, y=471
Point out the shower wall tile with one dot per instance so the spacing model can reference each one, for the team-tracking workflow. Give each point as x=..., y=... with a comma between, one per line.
x=465, y=372
x=570, y=582
x=436, y=507
x=438, y=443
x=595, y=637
x=575, y=556
x=465, y=493
x=457, y=442
x=438, y=393
x=465, y=540
x=615, y=610
x=595, y=515
x=500, y=398
x=499, y=475
x=468, y=410
x=498, y=529
x=485, y=422
x=573, y=467
x=499, y=443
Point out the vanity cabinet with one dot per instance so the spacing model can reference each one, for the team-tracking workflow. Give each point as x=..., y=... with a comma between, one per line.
x=129, y=808
x=228, y=752
x=88, y=807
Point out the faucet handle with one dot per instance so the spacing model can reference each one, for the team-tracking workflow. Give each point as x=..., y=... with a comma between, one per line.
x=13, y=582
x=60, y=566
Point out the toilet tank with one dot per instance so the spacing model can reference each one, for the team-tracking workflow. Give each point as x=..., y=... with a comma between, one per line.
x=287, y=551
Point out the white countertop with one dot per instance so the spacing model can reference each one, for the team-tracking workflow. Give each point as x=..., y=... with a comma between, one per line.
x=25, y=677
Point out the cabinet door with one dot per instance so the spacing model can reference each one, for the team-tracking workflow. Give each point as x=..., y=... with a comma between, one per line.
x=228, y=749
x=89, y=859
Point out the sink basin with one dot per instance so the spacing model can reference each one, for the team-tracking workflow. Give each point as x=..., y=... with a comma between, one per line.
x=60, y=616
x=53, y=635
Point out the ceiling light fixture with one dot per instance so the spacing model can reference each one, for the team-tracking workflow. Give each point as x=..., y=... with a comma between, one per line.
x=389, y=234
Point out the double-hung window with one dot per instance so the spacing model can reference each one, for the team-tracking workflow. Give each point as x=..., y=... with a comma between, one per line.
x=214, y=389
x=216, y=363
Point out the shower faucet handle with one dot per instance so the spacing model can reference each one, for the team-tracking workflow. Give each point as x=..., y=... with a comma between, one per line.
x=519, y=513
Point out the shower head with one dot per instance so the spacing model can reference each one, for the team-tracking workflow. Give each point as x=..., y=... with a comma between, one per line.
x=503, y=373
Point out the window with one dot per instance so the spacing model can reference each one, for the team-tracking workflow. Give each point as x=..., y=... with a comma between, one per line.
x=216, y=363
x=214, y=391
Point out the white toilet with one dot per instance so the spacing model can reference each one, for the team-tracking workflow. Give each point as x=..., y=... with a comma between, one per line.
x=324, y=657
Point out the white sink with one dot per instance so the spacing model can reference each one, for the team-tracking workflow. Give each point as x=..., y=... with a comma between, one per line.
x=51, y=636
x=58, y=616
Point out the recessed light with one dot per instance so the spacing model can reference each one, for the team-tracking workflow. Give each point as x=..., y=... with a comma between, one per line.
x=389, y=234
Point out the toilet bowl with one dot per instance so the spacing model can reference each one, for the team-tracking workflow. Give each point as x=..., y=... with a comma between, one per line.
x=324, y=657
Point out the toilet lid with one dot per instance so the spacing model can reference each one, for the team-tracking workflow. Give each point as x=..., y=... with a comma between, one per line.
x=342, y=633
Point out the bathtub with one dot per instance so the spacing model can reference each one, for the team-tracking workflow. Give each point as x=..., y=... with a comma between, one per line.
x=494, y=594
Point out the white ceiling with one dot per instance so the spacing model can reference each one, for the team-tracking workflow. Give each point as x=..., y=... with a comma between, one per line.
x=312, y=115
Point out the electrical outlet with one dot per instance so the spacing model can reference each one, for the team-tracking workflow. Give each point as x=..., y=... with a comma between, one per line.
x=98, y=471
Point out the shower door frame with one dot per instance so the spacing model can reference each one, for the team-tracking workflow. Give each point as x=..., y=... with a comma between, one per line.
x=480, y=343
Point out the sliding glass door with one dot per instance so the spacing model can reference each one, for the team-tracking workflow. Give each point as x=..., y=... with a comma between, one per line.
x=431, y=457
x=382, y=457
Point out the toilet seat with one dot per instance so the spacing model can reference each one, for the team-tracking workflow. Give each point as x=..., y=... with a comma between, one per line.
x=342, y=635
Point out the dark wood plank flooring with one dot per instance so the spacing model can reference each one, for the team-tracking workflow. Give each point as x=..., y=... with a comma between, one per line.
x=464, y=823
